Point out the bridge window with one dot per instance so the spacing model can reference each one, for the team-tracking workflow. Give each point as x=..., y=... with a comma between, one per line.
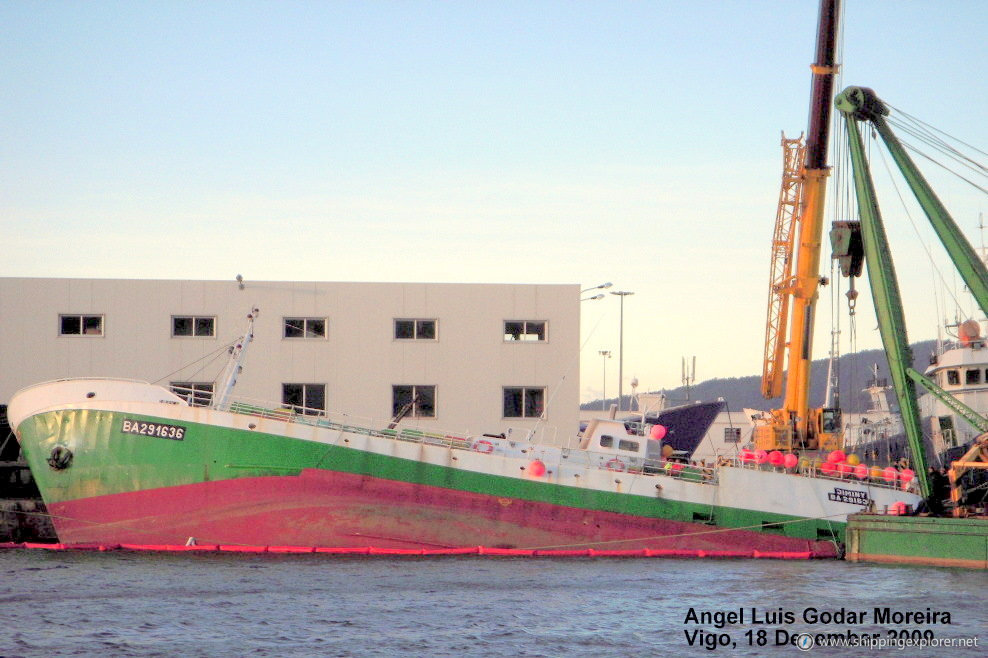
x=953, y=378
x=624, y=444
x=606, y=441
x=972, y=376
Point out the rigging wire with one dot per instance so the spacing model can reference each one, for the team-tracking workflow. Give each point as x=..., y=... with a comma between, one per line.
x=214, y=354
x=915, y=227
x=930, y=128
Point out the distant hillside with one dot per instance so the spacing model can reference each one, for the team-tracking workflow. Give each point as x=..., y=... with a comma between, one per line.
x=741, y=392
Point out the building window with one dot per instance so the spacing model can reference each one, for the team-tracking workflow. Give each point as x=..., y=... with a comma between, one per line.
x=198, y=394
x=80, y=325
x=525, y=330
x=190, y=325
x=413, y=401
x=524, y=402
x=309, y=399
x=415, y=329
x=732, y=435
x=305, y=327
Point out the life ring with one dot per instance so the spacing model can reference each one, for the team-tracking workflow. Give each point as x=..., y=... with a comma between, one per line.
x=60, y=458
x=616, y=465
x=483, y=446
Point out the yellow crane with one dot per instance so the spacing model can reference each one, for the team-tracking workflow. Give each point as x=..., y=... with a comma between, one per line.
x=795, y=425
x=781, y=284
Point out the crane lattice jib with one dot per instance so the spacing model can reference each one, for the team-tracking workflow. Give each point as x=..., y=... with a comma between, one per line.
x=780, y=274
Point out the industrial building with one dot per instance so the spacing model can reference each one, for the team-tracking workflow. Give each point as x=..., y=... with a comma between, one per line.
x=467, y=358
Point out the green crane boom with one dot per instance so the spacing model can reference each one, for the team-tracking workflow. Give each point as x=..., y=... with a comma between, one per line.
x=861, y=104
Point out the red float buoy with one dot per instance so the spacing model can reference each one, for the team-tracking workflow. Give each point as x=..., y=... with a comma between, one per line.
x=790, y=461
x=775, y=458
x=658, y=432
x=836, y=457
x=761, y=456
x=536, y=468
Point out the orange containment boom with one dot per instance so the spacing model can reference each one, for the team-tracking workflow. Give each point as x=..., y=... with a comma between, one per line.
x=426, y=552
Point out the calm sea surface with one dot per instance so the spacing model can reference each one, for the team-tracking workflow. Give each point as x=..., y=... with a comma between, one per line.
x=145, y=604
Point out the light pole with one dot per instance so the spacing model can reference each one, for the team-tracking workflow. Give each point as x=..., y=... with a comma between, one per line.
x=590, y=299
x=622, y=294
x=603, y=396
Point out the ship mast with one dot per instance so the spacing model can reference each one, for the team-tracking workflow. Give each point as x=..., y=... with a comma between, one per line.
x=235, y=364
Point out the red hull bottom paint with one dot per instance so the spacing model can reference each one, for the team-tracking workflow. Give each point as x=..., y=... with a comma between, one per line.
x=320, y=508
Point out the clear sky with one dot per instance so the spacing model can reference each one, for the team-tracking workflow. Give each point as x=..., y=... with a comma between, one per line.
x=521, y=142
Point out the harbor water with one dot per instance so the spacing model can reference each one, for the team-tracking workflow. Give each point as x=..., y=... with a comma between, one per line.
x=57, y=603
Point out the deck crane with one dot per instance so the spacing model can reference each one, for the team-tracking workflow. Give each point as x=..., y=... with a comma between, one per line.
x=795, y=425
x=861, y=105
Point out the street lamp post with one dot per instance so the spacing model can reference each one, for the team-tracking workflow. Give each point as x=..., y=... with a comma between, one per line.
x=602, y=286
x=622, y=294
x=603, y=396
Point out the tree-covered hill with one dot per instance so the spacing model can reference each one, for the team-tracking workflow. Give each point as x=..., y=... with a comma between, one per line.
x=854, y=370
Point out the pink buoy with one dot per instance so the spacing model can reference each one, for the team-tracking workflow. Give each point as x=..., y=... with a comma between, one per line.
x=677, y=467
x=861, y=471
x=844, y=468
x=746, y=455
x=890, y=474
x=761, y=456
x=907, y=475
x=658, y=432
x=775, y=458
x=536, y=468
x=836, y=457
x=828, y=468
x=790, y=461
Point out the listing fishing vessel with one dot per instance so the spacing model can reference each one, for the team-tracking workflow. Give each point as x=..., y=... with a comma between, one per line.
x=126, y=462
